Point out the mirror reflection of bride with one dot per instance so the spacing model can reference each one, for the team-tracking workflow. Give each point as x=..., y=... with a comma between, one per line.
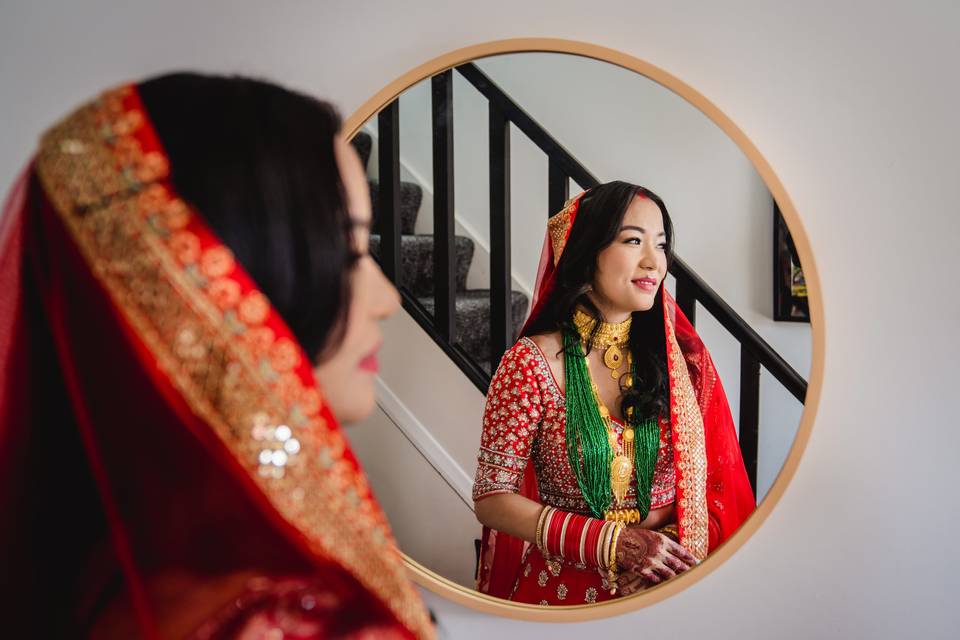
x=646, y=477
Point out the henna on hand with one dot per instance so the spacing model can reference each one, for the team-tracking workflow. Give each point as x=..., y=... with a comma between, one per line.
x=646, y=558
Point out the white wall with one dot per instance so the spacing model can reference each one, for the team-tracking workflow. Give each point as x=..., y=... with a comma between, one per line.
x=854, y=106
x=433, y=524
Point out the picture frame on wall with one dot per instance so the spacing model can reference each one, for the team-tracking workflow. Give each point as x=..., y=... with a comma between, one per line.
x=790, y=302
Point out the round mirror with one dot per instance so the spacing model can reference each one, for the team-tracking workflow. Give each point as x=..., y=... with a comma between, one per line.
x=468, y=157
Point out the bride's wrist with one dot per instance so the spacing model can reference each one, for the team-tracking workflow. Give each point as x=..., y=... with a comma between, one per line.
x=576, y=538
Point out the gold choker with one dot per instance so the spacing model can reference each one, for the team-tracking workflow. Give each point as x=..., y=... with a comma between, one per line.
x=613, y=338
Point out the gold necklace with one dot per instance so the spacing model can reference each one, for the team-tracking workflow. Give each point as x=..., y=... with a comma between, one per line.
x=614, y=338
x=621, y=465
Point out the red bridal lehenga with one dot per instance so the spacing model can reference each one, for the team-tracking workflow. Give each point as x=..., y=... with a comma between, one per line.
x=699, y=468
x=170, y=468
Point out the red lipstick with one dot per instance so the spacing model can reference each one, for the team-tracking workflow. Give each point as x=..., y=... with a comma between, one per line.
x=646, y=284
x=370, y=363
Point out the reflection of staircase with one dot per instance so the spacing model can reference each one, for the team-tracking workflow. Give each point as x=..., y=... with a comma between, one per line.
x=472, y=307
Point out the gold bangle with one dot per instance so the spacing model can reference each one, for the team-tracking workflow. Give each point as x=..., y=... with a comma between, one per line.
x=540, y=518
x=612, y=567
x=671, y=531
x=545, y=515
x=605, y=544
x=547, y=523
x=598, y=552
x=614, y=538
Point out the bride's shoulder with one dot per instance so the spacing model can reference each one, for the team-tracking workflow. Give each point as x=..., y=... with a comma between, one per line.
x=550, y=348
x=548, y=343
x=531, y=352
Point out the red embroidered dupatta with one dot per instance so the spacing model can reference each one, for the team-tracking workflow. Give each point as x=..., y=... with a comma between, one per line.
x=168, y=463
x=714, y=496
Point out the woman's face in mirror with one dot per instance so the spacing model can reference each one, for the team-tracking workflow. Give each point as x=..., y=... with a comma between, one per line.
x=631, y=268
x=346, y=373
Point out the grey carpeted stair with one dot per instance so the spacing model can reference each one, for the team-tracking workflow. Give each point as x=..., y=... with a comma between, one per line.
x=473, y=321
x=416, y=270
x=411, y=195
x=416, y=262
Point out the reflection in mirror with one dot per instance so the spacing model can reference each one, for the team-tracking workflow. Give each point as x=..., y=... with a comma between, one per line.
x=609, y=393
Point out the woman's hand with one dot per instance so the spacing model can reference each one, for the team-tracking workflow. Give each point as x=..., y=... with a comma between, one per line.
x=647, y=558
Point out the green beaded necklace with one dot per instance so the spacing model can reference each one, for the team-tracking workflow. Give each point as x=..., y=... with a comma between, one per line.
x=587, y=435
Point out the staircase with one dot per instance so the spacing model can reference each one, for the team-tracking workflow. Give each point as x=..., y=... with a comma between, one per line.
x=472, y=306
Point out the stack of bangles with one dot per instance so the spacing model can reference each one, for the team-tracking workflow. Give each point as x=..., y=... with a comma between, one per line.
x=581, y=539
x=589, y=541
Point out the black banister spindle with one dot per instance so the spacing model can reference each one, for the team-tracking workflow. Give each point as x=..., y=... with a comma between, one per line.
x=525, y=123
x=558, y=187
x=687, y=299
x=444, y=248
x=501, y=315
x=388, y=194
x=749, y=413
x=740, y=330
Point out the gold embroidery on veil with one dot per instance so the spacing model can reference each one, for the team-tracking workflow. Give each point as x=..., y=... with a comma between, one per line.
x=212, y=343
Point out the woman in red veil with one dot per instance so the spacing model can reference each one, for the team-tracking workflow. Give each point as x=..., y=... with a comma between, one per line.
x=609, y=461
x=183, y=267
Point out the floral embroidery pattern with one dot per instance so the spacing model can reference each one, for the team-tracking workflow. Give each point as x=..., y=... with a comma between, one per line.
x=691, y=448
x=525, y=417
x=554, y=567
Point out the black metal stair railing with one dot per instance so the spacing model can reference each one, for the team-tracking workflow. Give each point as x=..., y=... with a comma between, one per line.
x=562, y=167
x=444, y=314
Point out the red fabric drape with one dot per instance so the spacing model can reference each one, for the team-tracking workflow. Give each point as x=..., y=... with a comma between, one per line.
x=125, y=512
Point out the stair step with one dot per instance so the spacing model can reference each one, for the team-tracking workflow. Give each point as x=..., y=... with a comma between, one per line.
x=363, y=143
x=410, y=197
x=473, y=320
x=416, y=261
x=416, y=269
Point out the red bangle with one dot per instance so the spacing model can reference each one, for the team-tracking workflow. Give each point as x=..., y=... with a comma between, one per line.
x=593, y=539
x=564, y=527
x=575, y=531
x=574, y=537
x=553, y=532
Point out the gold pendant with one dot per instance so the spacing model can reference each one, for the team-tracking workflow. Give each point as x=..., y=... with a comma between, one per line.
x=613, y=358
x=621, y=472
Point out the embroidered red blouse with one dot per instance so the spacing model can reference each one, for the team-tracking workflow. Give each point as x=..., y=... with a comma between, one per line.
x=525, y=417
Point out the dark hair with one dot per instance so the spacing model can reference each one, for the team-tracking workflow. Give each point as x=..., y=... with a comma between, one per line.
x=257, y=161
x=597, y=225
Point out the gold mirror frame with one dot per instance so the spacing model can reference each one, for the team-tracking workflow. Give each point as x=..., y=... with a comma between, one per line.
x=487, y=604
